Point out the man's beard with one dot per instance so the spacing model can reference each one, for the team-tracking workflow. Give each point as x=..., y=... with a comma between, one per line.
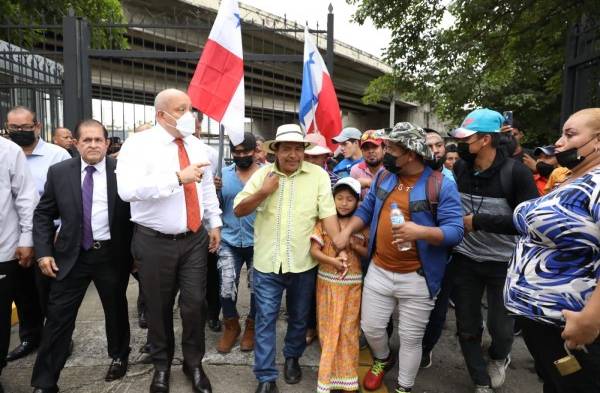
x=373, y=164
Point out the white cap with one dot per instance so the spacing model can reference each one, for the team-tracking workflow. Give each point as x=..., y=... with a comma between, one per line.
x=350, y=182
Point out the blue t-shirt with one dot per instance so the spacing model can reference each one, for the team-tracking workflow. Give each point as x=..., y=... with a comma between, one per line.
x=236, y=231
x=342, y=169
x=556, y=263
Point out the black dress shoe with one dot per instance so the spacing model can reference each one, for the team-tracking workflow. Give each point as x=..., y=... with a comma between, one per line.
x=267, y=387
x=22, y=350
x=142, y=321
x=71, y=345
x=40, y=390
x=214, y=325
x=160, y=382
x=291, y=371
x=117, y=369
x=200, y=382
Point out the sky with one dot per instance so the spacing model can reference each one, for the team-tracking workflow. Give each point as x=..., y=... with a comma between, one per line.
x=370, y=39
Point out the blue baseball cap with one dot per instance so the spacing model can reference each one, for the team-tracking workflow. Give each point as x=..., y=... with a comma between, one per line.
x=480, y=120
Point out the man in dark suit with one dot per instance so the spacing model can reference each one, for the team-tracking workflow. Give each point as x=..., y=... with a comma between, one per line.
x=93, y=245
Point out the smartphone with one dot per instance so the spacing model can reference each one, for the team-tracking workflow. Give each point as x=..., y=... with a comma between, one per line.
x=508, y=118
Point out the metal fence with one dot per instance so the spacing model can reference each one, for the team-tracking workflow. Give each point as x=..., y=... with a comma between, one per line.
x=581, y=87
x=73, y=69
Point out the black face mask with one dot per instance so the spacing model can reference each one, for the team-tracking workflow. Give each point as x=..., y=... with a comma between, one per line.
x=463, y=152
x=389, y=163
x=243, y=162
x=571, y=158
x=545, y=170
x=436, y=163
x=22, y=138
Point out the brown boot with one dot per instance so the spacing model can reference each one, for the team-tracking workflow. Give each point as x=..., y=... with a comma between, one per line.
x=230, y=334
x=247, y=343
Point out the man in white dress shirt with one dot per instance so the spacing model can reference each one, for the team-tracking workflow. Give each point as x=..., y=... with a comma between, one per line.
x=165, y=174
x=93, y=244
x=18, y=198
x=24, y=129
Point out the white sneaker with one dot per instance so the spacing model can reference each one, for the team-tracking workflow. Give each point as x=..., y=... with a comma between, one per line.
x=497, y=371
x=483, y=389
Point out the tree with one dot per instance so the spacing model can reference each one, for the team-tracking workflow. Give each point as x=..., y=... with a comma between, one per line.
x=34, y=12
x=460, y=54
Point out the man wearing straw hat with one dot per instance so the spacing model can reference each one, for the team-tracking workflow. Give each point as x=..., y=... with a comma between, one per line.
x=289, y=197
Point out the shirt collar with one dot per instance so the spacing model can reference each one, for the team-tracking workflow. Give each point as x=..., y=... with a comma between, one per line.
x=166, y=138
x=303, y=168
x=40, y=148
x=100, y=167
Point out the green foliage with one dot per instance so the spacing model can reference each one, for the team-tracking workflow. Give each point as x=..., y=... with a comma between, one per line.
x=35, y=12
x=459, y=54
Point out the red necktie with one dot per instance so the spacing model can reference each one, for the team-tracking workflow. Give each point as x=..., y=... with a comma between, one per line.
x=192, y=204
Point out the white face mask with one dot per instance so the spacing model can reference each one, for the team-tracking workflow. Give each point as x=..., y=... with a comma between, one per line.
x=186, y=124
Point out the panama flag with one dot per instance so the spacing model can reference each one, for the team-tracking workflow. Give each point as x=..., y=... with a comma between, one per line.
x=217, y=87
x=319, y=108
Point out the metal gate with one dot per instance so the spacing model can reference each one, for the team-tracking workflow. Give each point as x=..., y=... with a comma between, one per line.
x=74, y=69
x=581, y=88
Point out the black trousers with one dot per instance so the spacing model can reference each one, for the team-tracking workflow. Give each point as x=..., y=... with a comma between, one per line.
x=166, y=265
x=546, y=345
x=110, y=278
x=28, y=302
x=9, y=272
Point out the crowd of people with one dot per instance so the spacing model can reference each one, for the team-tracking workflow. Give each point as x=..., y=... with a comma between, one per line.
x=380, y=236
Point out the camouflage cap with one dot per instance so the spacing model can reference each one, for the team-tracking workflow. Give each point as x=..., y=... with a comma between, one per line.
x=410, y=137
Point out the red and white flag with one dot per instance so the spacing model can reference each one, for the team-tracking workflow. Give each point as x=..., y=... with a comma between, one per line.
x=217, y=87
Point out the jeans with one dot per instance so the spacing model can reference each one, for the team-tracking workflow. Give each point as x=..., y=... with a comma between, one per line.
x=268, y=291
x=471, y=279
x=433, y=332
x=231, y=260
x=546, y=345
x=385, y=292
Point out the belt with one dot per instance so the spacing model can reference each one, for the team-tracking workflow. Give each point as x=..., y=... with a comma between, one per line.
x=98, y=244
x=152, y=232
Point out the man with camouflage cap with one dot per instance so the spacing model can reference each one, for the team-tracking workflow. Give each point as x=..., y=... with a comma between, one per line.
x=404, y=278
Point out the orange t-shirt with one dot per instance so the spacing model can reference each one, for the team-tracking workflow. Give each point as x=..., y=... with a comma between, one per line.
x=387, y=256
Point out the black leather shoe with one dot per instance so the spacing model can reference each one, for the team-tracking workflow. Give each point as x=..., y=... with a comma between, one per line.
x=267, y=387
x=214, y=325
x=22, y=350
x=142, y=321
x=200, y=382
x=116, y=370
x=71, y=345
x=40, y=390
x=291, y=371
x=160, y=382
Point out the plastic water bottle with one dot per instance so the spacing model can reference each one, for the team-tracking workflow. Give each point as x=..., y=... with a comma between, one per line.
x=397, y=219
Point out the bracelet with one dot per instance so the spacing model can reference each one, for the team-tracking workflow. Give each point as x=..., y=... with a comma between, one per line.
x=179, y=178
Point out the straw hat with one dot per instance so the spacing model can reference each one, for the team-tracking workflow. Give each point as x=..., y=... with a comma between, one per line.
x=287, y=133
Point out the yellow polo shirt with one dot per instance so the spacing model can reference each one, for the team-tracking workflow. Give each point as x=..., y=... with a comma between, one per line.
x=287, y=218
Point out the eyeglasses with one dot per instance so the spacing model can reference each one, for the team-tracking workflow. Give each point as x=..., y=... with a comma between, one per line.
x=22, y=127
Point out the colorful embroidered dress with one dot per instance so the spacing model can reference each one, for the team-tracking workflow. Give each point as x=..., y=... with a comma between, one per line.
x=338, y=318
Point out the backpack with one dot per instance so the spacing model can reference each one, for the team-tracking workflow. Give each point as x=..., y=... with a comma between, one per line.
x=432, y=190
